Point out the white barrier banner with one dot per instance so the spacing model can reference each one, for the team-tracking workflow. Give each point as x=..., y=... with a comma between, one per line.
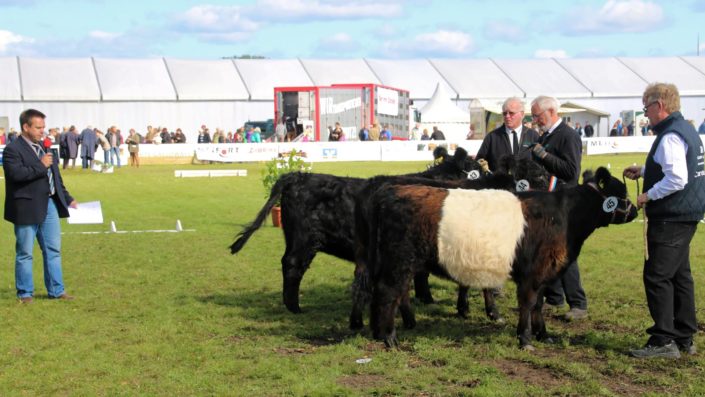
x=617, y=144
x=231, y=153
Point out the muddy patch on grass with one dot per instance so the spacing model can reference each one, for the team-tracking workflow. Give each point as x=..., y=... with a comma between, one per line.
x=530, y=374
x=361, y=381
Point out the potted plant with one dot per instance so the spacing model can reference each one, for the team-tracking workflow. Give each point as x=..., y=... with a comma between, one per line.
x=291, y=161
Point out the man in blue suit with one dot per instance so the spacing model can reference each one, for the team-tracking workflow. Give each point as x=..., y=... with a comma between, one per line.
x=35, y=199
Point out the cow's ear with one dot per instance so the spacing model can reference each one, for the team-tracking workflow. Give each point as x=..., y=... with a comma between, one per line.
x=460, y=154
x=439, y=152
x=508, y=164
x=588, y=176
x=602, y=177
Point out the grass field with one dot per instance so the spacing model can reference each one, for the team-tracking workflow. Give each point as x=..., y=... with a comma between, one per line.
x=175, y=314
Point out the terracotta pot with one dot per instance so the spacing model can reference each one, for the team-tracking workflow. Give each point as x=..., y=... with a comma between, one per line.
x=277, y=216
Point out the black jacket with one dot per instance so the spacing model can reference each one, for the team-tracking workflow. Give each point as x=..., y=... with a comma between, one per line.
x=496, y=144
x=565, y=151
x=27, y=185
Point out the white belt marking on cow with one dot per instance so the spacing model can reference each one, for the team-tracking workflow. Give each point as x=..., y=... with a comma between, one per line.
x=478, y=235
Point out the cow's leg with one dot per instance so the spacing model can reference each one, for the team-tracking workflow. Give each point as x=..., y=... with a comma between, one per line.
x=526, y=297
x=490, y=306
x=538, y=325
x=407, y=311
x=385, y=300
x=361, y=296
x=295, y=262
x=422, y=288
x=461, y=305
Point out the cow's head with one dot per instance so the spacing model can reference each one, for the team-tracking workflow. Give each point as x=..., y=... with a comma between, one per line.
x=616, y=206
x=528, y=174
x=457, y=166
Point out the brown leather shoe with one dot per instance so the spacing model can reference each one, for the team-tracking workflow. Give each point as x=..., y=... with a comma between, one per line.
x=63, y=297
x=26, y=300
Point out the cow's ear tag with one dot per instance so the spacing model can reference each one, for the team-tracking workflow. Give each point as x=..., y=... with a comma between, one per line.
x=522, y=185
x=474, y=174
x=610, y=204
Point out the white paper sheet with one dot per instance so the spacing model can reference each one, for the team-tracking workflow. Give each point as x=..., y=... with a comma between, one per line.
x=86, y=213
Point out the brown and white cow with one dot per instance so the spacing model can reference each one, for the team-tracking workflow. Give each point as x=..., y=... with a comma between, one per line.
x=481, y=238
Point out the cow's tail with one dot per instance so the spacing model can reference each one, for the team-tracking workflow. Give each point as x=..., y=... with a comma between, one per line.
x=250, y=229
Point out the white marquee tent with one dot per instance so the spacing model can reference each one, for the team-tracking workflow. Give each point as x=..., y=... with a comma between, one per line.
x=134, y=93
x=442, y=113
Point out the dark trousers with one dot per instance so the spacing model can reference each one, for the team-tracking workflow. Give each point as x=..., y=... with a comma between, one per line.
x=568, y=283
x=669, y=285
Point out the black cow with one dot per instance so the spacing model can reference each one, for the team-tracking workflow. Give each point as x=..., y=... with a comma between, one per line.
x=318, y=215
x=480, y=238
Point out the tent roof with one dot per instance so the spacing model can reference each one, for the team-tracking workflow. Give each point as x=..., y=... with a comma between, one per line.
x=417, y=76
x=477, y=78
x=542, y=77
x=605, y=77
x=134, y=80
x=58, y=79
x=9, y=80
x=441, y=109
x=338, y=71
x=206, y=80
x=688, y=79
x=262, y=75
x=569, y=107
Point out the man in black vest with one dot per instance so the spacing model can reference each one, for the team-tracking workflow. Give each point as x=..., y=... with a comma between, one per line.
x=674, y=200
x=559, y=151
x=511, y=138
x=35, y=199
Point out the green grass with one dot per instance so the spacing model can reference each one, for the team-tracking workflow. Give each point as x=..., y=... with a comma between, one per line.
x=176, y=314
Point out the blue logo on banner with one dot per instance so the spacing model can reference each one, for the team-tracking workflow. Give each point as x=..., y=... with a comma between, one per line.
x=330, y=153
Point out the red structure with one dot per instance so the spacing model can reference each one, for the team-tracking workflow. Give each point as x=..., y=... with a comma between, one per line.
x=351, y=105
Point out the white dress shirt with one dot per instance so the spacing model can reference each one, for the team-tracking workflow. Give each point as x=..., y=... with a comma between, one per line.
x=509, y=135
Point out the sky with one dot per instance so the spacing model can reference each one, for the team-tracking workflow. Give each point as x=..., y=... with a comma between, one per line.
x=380, y=29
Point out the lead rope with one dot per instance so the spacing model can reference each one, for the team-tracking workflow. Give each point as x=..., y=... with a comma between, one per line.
x=646, y=226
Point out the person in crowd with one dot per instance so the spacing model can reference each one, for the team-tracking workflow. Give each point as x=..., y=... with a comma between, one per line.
x=248, y=134
x=89, y=142
x=104, y=144
x=673, y=197
x=280, y=130
x=615, y=130
x=386, y=134
x=151, y=133
x=179, y=136
x=579, y=129
x=374, y=131
x=589, y=131
x=203, y=135
x=415, y=133
x=11, y=136
x=133, y=147
x=620, y=128
x=35, y=212
x=70, y=141
x=3, y=137
x=335, y=133
x=239, y=138
x=256, y=135
x=437, y=135
x=166, y=137
x=559, y=151
x=364, y=134
x=511, y=138
x=471, y=133
x=229, y=137
x=216, y=136
x=701, y=129
x=425, y=136
x=630, y=129
x=115, y=140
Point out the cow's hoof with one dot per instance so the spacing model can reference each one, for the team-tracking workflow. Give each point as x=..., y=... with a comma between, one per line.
x=426, y=300
x=294, y=309
x=528, y=348
x=391, y=341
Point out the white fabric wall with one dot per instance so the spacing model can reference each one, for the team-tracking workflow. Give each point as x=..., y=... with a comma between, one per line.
x=206, y=80
x=134, y=80
x=477, y=78
x=333, y=71
x=605, y=77
x=542, y=77
x=9, y=80
x=416, y=76
x=58, y=79
x=262, y=75
x=189, y=116
x=674, y=70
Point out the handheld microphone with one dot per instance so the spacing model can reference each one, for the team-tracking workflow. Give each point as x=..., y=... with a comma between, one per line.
x=47, y=147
